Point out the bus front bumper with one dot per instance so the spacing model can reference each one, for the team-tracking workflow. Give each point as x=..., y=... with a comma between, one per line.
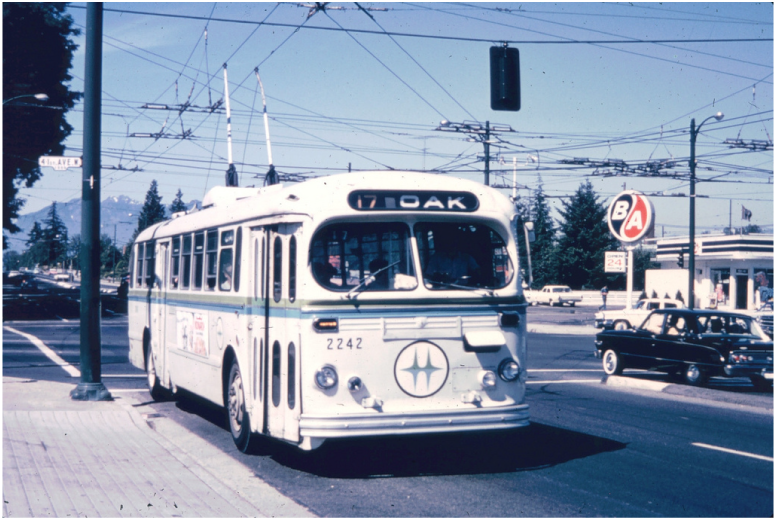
x=360, y=425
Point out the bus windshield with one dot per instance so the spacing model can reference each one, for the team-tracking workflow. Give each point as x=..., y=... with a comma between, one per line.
x=370, y=256
x=460, y=255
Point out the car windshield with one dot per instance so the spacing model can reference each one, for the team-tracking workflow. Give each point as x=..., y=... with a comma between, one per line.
x=366, y=256
x=462, y=255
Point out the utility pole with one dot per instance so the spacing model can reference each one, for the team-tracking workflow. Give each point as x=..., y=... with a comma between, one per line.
x=91, y=388
x=482, y=134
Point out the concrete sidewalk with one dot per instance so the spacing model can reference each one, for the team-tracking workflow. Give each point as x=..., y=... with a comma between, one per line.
x=65, y=458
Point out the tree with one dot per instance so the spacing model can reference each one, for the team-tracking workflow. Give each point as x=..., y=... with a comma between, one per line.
x=153, y=209
x=37, y=54
x=36, y=252
x=542, y=250
x=54, y=236
x=178, y=204
x=584, y=239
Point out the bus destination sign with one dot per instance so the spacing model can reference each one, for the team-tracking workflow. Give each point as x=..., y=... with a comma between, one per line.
x=405, y=200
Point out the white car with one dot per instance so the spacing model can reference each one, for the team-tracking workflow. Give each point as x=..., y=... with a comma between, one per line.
x=63, y=277
x=556, y=295
x=628, y=318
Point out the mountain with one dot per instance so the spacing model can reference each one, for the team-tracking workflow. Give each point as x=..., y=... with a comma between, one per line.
x=121, y=212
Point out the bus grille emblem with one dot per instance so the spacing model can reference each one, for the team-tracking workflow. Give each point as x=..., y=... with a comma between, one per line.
x=421, y=369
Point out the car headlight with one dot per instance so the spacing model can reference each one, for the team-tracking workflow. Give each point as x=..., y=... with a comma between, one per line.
x=508, y=370
x=326, y=377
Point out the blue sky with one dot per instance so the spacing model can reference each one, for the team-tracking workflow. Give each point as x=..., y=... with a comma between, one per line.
x=599, y=82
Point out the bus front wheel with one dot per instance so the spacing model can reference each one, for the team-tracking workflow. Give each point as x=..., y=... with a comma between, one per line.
x=239, y=421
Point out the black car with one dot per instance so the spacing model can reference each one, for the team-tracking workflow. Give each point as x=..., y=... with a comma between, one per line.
x=695, y=344
x=21, y=282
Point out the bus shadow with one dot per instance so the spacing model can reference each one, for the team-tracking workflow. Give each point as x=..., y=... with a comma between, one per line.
x=534, y=447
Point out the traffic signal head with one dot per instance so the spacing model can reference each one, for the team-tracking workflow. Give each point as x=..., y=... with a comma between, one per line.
x=681, y=259
x=504, y=79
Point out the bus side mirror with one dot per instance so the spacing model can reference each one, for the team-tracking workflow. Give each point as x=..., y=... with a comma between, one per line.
x=531, y=236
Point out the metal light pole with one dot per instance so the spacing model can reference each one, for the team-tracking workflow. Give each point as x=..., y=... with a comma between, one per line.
x=692, y=165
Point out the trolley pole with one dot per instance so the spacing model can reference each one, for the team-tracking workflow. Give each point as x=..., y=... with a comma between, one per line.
x=91, y=388
x=487, y=153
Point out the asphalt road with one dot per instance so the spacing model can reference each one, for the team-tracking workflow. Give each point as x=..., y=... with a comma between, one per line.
x=591, y=450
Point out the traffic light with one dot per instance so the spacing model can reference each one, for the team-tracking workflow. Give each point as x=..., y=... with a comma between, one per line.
x=681, y=259
x=504, y=79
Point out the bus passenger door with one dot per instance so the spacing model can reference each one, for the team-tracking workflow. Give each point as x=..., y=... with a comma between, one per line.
x=283, y=399
x=257, y=328
x=159, y=311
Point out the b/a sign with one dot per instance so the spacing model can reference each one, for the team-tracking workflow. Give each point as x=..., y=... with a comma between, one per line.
x=59, y=163
x=631, y=216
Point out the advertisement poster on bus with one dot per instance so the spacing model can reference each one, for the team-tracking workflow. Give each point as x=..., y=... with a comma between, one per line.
x=192, y=333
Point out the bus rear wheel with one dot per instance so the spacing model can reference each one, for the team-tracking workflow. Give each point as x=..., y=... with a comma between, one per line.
x=239, y=421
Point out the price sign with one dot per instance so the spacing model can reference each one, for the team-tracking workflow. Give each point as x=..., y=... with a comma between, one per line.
x=615, y=262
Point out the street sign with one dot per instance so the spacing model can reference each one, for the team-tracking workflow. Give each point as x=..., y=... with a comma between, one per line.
x=631, y=216
x=615, y=262
x=59, y=163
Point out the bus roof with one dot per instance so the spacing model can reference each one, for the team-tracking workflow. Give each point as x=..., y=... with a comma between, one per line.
x=332, y=195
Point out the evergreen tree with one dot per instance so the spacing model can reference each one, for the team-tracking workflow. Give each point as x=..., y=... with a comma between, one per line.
x=523, y=216
x=37, y=55
x=585, y=237
x=153, y=209
x=178, y=204
x=542, y=250
x=36, y=252
x=54, y=235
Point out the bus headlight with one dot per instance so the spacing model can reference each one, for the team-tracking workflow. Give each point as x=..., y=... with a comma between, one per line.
x=508, y=370
x=326, y=377
x=487, y=379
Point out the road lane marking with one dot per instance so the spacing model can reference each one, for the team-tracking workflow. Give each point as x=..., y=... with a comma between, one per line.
x=53, y=356
x=563, y=381
x=734, y=452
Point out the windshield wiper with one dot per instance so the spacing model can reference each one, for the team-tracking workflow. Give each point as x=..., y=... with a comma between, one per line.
x=369, y=279
x=486, y=292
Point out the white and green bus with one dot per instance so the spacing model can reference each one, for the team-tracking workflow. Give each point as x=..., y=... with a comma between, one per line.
x=358, y=304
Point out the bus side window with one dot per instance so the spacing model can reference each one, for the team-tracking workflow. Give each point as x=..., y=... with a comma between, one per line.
x=199, y=256
x=212, y=259
x=292, y=270
x=131, y=267
x=226, y=262
x=175, y=273
x=140, y=257
x=186, y=262
x=237, y=259
x=149, y=265
x=278, y=269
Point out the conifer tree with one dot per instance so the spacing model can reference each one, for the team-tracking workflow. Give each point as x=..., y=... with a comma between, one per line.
x=542, y=250
x=584, y=239
x=178, y=204
x=54, y=235
x=152, y=211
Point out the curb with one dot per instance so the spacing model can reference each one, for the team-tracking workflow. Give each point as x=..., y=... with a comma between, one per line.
x=571, y=330
x=760, y=404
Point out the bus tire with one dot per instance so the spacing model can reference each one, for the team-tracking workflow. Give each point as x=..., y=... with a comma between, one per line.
x=154, y=385
x=612, y=363
x=239, y=421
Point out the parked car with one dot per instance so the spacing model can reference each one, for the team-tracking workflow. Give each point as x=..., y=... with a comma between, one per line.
x=695, y=344
x=764, y=316
x=19, y=282
x=628, y=318
x=556, y=295
x=63, y=277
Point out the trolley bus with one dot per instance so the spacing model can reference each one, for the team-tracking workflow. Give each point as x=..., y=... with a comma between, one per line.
x=357, y=304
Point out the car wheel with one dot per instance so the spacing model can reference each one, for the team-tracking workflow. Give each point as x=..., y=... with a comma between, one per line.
x=612, y=363
x=760, y=384
x=694, y=375
x=158, y=392
x=239, y=421
x=621, y=325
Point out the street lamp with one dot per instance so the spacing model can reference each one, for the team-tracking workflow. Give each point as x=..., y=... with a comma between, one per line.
x=692, y=165
x=39, y=97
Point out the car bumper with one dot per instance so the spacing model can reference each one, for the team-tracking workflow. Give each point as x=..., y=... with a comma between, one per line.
x=743, y=371
x=396, y=424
